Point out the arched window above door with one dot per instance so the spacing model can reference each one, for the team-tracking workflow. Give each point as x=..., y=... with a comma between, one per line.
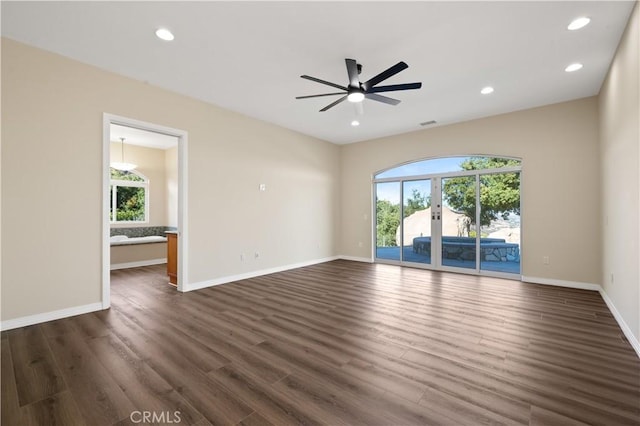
x=448, y=165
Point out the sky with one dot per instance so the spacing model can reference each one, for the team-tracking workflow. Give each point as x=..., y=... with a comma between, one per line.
x=391, y=191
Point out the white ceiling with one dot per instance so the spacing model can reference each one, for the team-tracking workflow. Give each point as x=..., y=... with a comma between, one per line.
x=248, y=56
x=133, y=136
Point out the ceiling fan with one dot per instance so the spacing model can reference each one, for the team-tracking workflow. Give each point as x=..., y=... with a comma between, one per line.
x=357, y=91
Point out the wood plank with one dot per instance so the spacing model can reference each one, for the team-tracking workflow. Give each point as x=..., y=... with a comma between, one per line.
x=96, y=393
x=264, y=398
x=10, y=408
x=36, y=374
x=255, y=419
x=59, y=409
x=542, y=417
x=145, y=388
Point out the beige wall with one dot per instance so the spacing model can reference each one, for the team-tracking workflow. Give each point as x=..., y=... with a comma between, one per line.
x=53, y=117
x=151, y=163
x=558, y=145
x=619, y=151
x=171, y=186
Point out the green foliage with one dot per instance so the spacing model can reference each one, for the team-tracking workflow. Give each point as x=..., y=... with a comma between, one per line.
x=416, y=203
x=130, y=204
x=387, y=222
x=129, y=176
x=499, y=193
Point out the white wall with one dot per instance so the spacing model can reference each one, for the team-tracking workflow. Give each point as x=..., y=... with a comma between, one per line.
x=619, y=152
x=560, y=195
x=52, y=119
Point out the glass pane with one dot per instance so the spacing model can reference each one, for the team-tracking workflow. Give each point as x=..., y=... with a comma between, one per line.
x=458, y=222
x=500, y=222
x=449, y=164
x=130, y=204
x=122, y=175
x=416, y=208
x=388, y=220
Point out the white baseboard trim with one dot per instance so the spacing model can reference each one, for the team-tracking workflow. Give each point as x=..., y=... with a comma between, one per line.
x=138, y=264
x=562, y=283
x=356, y=259
x=621, y=322
x=252, y=274
x=49, y=316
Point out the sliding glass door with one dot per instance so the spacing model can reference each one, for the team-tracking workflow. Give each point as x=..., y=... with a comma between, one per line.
x=500, y=222
x=466, y=220
x=416, y=221
x=388, y=221
x=458, y=242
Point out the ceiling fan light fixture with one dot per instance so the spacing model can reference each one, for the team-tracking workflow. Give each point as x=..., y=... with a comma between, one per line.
x=122, y=165
x=355, y=123
x=164, y=34
x=487, y=90
x=578, y=23
x=573, y=67
x=355, y=96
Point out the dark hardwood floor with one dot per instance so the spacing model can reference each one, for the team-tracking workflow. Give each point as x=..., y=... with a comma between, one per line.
x=335, y=344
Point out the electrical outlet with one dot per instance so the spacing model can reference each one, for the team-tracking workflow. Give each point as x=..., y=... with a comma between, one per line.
x=360, y=244
x=545, y=260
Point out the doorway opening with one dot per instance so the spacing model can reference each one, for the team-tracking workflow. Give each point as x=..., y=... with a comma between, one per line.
x=459, y=214
x=144, y=199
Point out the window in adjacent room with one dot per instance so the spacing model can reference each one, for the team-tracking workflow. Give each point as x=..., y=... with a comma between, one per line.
x=129, y=195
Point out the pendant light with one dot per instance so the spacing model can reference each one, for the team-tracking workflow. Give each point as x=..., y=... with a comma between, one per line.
x=124, y=167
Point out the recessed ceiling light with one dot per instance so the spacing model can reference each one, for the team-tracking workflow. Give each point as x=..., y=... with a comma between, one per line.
x=164, y=34
x=578, y=23
x=573, y=67
x=355, y=123
x=487, y=90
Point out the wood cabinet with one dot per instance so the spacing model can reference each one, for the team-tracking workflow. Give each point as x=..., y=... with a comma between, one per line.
x=172, y=257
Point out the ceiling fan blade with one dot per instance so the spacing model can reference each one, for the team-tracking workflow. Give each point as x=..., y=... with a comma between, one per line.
x=380, y=98
x=317, y=96
x=352, y=70
x=393, y=87
x=331, y=105
x=328, y=83
x=389, y=72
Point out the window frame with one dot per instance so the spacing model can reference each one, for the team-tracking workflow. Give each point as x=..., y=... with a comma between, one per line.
x=113, y=187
